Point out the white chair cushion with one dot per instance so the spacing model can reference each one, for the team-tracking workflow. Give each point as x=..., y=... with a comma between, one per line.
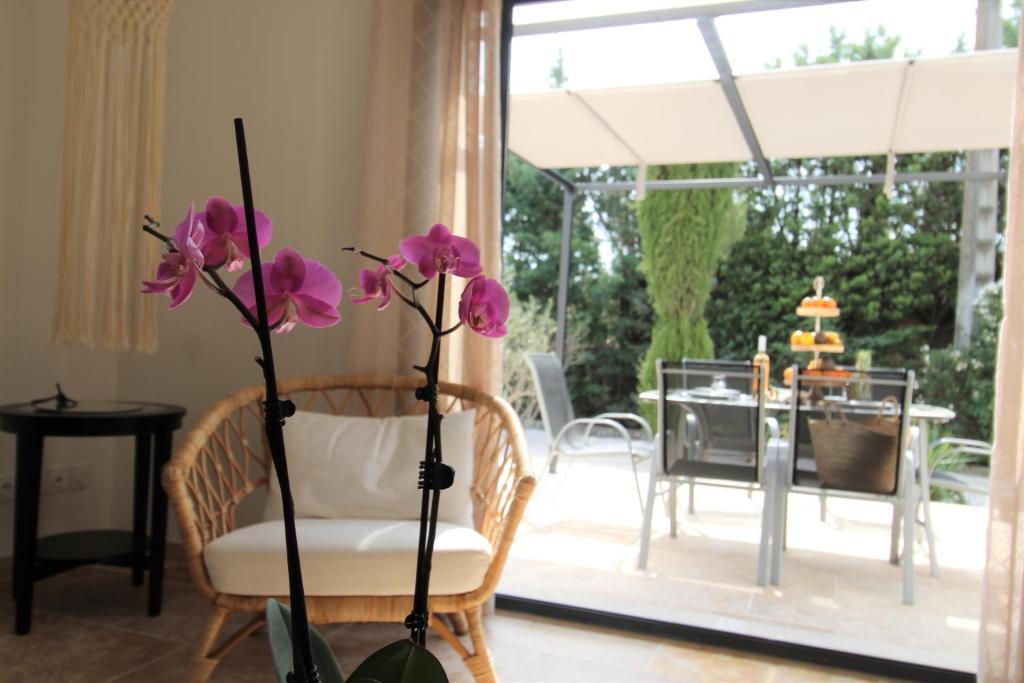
x=344, y=467
x=346, y=557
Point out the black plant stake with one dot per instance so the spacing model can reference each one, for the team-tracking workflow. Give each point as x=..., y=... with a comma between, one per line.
x=394, y=661
x=434, y=477
x=275, y=412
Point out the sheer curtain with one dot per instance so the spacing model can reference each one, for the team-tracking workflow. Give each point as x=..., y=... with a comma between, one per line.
x=432, y=155
x=113, y=136
x=1001, y=646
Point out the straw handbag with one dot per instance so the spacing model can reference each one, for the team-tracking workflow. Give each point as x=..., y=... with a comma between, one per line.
x=857, y=456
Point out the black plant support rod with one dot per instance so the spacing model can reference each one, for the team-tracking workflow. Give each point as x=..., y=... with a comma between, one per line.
x=431, y=479
x=275, y=411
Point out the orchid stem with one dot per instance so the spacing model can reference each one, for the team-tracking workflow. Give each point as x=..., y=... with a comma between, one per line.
x=409, y=300
x=159, y=235
x=304, y=670
x=418, y=619
x=384, y=261
x=212, y=277
x=412, y=303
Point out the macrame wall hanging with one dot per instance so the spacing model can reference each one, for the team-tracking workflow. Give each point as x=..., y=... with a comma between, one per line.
x=113, y=137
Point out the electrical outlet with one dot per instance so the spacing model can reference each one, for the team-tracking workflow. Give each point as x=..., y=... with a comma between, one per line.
x=78, y=479
x=6, y=489
x=55, y=480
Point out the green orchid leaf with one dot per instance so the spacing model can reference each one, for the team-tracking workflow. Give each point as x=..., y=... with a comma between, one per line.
x=400, y=662
x=279, y=628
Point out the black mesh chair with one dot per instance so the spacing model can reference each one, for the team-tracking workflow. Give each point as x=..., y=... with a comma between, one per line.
x=571, y=437
x=712, y=428
x=887, y=393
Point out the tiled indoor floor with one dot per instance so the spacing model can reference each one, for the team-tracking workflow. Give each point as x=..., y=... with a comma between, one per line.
x=89, y=626
x=580, y=541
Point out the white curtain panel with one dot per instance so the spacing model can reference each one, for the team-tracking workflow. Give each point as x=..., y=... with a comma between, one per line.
x=1001, y=645
x=432, y=155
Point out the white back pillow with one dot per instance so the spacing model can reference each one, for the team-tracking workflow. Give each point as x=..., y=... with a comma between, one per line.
x=366, y=468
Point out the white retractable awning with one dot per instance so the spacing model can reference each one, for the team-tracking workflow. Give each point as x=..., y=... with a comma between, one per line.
x=959, y=102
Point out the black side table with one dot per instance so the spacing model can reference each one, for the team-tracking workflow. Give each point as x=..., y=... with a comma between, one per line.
x=152, y=425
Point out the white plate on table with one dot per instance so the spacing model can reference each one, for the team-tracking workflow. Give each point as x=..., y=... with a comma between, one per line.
x=713, y=392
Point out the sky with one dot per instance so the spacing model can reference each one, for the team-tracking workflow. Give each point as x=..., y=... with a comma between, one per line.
x=672, y=52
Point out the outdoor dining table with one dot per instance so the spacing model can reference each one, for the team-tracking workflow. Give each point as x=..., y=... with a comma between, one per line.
x=922, y=415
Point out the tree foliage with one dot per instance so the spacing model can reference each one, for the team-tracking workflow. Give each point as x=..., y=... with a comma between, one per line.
x=890, y=262
x=609, y=315
x=966, y=381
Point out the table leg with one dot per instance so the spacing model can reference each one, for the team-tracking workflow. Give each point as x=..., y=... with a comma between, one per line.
x=158, y=531
x=652, y=489
x=926, y=492
x=28, y=478
x=140, y=505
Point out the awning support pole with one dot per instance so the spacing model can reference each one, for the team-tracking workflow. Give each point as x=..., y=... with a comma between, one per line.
x=732, y=95
x=564, y=261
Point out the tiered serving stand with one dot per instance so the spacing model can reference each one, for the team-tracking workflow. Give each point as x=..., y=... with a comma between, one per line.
x=818, y=312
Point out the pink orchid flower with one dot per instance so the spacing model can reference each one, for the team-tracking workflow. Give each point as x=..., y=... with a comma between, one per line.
x=397, y=261
x=439, y=251
x=375, y=285
x=178, y=271
x=226, y=243
x=484, y=307
x=297, y=290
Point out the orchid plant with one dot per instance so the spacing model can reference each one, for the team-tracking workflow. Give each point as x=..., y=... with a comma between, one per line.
x=483, y=307
x=294, y=290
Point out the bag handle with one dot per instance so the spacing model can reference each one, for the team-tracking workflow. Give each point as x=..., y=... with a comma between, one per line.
x=829, y=407
x=895, y=410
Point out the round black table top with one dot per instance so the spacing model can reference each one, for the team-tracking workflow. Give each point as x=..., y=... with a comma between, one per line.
x=91, y=418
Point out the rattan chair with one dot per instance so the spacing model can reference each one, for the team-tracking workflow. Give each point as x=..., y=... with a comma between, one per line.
x=224, y=460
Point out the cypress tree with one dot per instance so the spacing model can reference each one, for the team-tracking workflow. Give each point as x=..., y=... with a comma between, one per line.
x=684, y=234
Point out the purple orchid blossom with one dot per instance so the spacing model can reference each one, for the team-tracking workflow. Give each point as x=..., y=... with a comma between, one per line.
x=297, y=290
x=226, y=243
x=180, y=267
x=439, y=251
x=375, y=284
x=484, y=307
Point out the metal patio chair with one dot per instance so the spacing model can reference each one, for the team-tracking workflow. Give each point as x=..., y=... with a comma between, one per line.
x=570, y=437
x=717, y=435
x=800, y=469
x=960, y=465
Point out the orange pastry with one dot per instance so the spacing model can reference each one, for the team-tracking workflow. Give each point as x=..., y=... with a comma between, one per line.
x=807, y=338
x=809, y=302
x=832, y=338
x=796, y=337
x=787, y=376
x=828, y=302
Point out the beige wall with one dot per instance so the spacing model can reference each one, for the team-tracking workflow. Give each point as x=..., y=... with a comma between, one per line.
x=296, y=72
x=33, y=54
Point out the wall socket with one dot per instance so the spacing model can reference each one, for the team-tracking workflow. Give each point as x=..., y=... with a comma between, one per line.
x=78, y=477
x=55, y=480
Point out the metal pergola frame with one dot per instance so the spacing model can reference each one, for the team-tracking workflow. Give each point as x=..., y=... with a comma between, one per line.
x=705, y=16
